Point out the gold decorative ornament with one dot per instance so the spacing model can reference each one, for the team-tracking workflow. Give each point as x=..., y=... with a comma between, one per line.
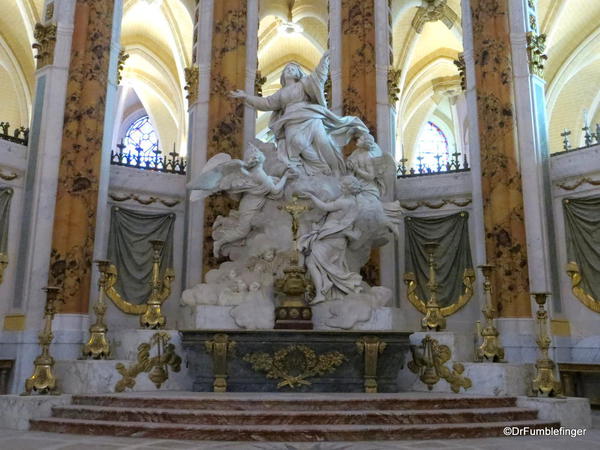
x=259, y=82
x=143, y=201
x=429, y=362
x=432, y=11
x=220, y=347
x=293, y=311
x=45, y=36
x=431, y=205
x=3, y=264
x=157, y=367
x=576, y=278
x=294, y=364
x=434, y=313
x=8, y=176
x=393, y=85
x=434, y=319
x=544, y=383
x=536, y=45
x=191, y=83
x=43, y=380
x=462, y=70
x=533, y=22
x=49, y=11
x=410, y=280
x=490, y=349
x=123, y=57
x=98, y=346
x=579, y=182
x=150, y=313
x=371, y=347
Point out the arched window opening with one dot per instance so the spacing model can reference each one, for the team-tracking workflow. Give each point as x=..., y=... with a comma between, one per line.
x=141, y=140
x=433, y=151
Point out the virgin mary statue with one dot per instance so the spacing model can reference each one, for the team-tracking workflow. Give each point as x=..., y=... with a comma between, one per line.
x=308, y=134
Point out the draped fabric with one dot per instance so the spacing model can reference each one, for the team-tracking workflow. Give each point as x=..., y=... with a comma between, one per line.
x=129, y=249
x=453, y=255
x=582, y=229
x=5, y=198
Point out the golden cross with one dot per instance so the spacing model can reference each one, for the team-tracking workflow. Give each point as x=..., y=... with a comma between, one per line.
x=295, y=209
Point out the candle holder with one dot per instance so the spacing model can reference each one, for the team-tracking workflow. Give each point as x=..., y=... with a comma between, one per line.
x=490, y=349
x=434, y=319
x=544, y=382
x=43, y=380
x=151, y=312
x=98, y=346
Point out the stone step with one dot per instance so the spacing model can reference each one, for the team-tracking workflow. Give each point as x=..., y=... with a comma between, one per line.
x=275, y=417
x=280, y=433
x=329, y=402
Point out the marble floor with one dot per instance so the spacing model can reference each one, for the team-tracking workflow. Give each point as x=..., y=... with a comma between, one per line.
x=30, y=440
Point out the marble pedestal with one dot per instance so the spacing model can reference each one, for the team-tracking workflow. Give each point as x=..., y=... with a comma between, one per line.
x=460, y=345
x=498, y=379
x=100, y=377
x=208, y=317
x=571, y=412
x=212, y=317
x=88, y=376
x=16, y=410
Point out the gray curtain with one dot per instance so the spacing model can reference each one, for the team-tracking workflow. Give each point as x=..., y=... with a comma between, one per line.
x=129, y=249
x=582, y=229
x=5, y=198
x=453, y=255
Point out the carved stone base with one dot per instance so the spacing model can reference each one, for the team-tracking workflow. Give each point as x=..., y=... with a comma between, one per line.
x=310, y=361
x=293, y=318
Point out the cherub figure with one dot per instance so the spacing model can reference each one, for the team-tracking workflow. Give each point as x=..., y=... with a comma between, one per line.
x=236, y=177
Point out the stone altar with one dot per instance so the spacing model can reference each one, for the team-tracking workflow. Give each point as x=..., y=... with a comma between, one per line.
x=347, y=376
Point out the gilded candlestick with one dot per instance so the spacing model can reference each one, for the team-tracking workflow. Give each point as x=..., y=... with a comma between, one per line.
x=43, y=380
x=153, y=317
x=544, y=382
x=490, y=349
x=98, y=345
x=434, y=319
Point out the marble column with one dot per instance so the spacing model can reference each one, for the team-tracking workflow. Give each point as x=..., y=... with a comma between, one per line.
x=359, y=74
x=198, y=98
x=111, y=113
x=81, y=154
x=359, y=83
x=478, y=228
x=501, y=176
x=532, y=133
x=253, y=20
x=335, y=55
x=42, y=163
x=40, y=186
x=385, y=117
x=225, y=115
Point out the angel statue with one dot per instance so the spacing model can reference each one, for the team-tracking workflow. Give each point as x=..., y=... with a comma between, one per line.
x=376, y=171
x=325, y=247
x=370, y=165
x=308, y=135
x=248, y=178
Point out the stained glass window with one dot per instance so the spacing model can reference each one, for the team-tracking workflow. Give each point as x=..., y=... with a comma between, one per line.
x=141, y=135
x=431, y=146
